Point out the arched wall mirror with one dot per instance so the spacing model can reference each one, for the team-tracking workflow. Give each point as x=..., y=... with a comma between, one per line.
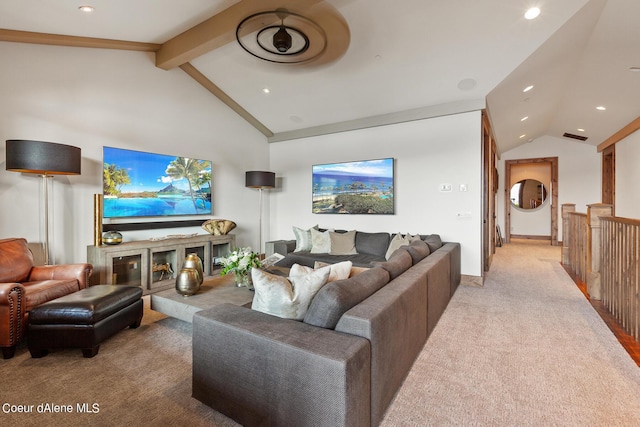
x=528, y=194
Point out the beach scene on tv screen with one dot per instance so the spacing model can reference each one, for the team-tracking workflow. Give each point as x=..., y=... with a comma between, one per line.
x=140, y=184
x=362, y=187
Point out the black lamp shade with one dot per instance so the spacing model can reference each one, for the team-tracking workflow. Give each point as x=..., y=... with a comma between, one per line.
x=260, y=179
x=44, y=158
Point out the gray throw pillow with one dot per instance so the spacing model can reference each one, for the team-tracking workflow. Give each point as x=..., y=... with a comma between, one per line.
x=418, y=250
x=372, y=243
x=399, y=262
x=434, y=242
x=336, y=298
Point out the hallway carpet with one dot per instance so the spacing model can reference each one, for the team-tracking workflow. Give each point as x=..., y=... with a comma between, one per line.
x=527, y=349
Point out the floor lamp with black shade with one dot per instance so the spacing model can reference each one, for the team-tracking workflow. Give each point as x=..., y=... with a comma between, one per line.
x=260, y=180
x=45, y=159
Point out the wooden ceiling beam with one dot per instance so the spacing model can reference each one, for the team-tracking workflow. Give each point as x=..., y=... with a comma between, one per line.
x=74, y=41
x=621, y=134
x=222, y=96
x=217, y=31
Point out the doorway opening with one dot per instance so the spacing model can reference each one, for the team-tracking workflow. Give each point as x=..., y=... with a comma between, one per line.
x=513, y=175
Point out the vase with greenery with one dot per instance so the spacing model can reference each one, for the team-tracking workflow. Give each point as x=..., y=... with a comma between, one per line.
x=240, y=262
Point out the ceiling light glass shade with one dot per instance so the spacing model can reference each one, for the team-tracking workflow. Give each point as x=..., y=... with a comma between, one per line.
x=281, y=36
x=43, y=158
x=282, y=40
x=260, y=179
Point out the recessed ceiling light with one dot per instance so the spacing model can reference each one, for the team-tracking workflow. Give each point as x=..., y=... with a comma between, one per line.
x=467, y=84
x=524, y=118
x=635, y=69
x=528, y=88
x=601, y=108
x=523, y=135
x=532, y=13
x=87, y=9
x=266, y=90
x=580, y=130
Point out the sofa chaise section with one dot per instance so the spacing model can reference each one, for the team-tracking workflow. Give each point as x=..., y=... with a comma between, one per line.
x=394, y=320
x=263, y=370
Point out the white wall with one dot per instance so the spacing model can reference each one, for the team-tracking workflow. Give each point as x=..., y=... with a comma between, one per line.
x=579, y=173
x=444, y=150
x=95, y=97
x=628, y=177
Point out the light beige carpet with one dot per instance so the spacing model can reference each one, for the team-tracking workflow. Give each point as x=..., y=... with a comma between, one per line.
x=527, y=349
x=140, y=377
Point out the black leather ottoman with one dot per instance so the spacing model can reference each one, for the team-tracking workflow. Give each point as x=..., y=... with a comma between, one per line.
x=84, y=319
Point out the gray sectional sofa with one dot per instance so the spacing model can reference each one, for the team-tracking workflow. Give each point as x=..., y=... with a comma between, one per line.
x=341, y=365
x=370, y=247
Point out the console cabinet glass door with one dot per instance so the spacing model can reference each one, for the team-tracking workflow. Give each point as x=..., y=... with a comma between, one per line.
x=164, y=264
x=127, y=268
x=203, y=251
x=218, y=251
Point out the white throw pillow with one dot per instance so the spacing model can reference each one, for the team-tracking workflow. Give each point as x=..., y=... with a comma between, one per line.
x=320, y=242
x=397, y=241
x=338, y=271
x=288, y=298
x=354, y=270
x=303, y=239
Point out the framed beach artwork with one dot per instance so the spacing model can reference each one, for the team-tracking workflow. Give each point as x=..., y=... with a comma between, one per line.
x=141, y=184
x=360, y=187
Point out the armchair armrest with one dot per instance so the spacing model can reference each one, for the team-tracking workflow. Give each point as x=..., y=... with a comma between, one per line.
x=263, y=370
x=283, y=247
x=12, y=316
x=81, y=272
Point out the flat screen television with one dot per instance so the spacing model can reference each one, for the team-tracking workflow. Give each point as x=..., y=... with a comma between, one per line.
x=360, y=187
x=140, y=184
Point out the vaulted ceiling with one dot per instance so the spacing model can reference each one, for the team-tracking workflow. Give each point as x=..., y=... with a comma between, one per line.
x=403, y=60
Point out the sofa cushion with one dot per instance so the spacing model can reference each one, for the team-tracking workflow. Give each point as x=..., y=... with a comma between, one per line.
x=288, y=298
x=343, y=243
x=303, y=238
x=372, y=243
x=16, y=260
x=320, y=241
x=338, y=271
x=336, y=298
x=434, y=242
x=47, y=290
x=309, y=259
x=397, y=241
x=418, y=250
x=399, y=262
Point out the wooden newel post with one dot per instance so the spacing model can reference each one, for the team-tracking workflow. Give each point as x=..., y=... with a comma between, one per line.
x=566, y=209
x=594, y=212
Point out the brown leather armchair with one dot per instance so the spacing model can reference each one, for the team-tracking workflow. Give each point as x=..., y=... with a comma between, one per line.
x=24, y=286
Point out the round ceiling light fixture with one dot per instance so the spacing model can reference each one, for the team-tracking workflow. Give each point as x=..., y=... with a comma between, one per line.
x=319, y=35
x=281, y=36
